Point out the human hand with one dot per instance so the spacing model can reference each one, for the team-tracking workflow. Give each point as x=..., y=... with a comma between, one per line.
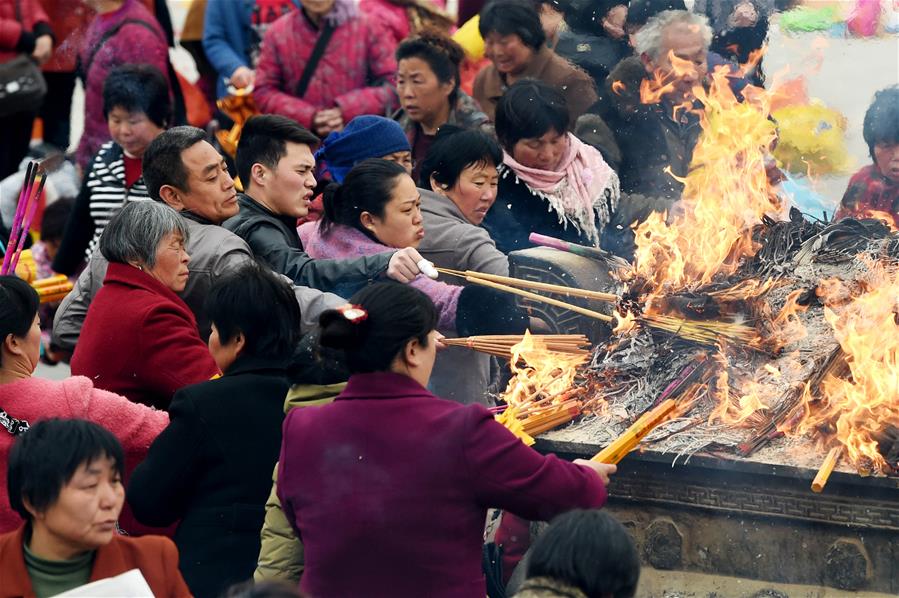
x=603, y=470
x=243, y=77
x=744, y=15
x=328, y=120
x=43, y=48
x=403, y=265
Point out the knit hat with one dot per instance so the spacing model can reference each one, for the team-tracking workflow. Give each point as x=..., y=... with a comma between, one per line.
x=364, y=137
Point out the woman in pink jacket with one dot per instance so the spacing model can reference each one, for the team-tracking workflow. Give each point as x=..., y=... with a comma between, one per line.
x=25, y=399
x=377, y=209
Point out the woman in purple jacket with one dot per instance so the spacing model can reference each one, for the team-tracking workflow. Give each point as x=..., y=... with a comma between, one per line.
x=389, y=486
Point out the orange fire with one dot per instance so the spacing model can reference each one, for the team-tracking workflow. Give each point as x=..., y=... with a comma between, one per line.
x=539, y=371
x=726, y=193
x=853, y=411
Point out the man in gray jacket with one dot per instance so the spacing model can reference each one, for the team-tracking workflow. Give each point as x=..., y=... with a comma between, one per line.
x=188, y=174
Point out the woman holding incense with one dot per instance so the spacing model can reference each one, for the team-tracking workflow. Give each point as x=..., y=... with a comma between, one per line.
x=255, y=329
x=378, y=208
x=137, y=108
x=461, y=173
x=421, y=496
x=26, y=399
x=550, y=182
x=139, y=338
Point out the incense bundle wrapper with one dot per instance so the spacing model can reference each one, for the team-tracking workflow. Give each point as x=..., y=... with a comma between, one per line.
x=628, y=441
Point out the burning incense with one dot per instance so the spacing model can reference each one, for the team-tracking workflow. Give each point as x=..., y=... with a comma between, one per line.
x=501, y=345
x=628, y=441
x=826, y=469
x=537, y=286
x=581, y=250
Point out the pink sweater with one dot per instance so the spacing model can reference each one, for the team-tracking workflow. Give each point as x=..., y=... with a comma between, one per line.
x=345, y=242
x=34, y=399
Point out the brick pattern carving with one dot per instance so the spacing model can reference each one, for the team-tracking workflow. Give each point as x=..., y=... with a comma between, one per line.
x=856, y=513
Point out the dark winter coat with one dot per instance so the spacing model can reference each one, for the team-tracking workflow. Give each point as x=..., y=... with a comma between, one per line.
x=211, y=468
x=648, y=137
x=595, y=54
x=274, y=240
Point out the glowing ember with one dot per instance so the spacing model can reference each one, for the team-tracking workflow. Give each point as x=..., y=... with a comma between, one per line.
x=854, y=411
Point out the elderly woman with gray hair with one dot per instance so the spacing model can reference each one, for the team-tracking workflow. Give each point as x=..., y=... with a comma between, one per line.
x=140, y=339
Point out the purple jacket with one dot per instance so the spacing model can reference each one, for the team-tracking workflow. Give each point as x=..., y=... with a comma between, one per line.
x=389, y=487
x=132, y=44
x=347, y=242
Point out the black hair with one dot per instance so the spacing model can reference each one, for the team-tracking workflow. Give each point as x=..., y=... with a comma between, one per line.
x=138, y=88
x=513, y=17
x=455, y=149
x=586, y=16
x=254, y=301
x=44, y=459
x=590, y=550
x=56, y=214
x=264, y=139
x=368, y=187
x=162, y=163
x=396, y=314
x=529, y=109
x=442, y=54
x=881, y=124
x=263, y=589
x=640, y=11
x=19, y=303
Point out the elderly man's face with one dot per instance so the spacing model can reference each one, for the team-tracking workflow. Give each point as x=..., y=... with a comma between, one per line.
x=210, y=193
x=681, y=62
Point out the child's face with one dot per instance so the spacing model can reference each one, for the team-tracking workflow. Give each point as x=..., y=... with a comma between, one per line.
x=886, y=157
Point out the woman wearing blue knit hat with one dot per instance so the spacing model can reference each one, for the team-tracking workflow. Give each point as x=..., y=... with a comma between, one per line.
x=364, y=137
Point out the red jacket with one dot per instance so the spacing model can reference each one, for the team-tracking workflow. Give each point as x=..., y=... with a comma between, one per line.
x=356, y=72
x=34, y=399
x=384, y=513
x=140, y=340
x=12, y=27
x=155, y=556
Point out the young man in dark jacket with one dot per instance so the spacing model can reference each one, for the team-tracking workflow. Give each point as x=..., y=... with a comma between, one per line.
x=275, y=165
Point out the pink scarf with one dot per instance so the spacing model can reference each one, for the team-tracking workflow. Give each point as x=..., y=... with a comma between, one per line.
x=577, y=190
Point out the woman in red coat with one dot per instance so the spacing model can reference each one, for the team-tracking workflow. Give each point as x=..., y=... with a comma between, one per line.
x=65, y=480
x=26, y=398
x=389, y=486
x=140, y=339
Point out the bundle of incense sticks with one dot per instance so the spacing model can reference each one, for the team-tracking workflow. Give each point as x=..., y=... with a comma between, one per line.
x=501, y=344
x=706, y=332
x=52, y=289
x=551, y=417
x=25, y=211
x=645, y=424
x=826, y=468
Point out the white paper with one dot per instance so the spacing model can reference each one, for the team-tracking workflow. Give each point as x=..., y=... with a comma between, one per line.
x=130, y=584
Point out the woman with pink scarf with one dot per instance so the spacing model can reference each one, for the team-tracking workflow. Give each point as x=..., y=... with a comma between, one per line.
x=377, y=209
x=550, y=182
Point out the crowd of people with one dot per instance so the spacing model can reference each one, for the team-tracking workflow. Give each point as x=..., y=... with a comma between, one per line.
x=260, y=402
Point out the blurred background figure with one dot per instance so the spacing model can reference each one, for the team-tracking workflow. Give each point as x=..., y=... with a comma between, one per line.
x=594, y=38
x=740, y=28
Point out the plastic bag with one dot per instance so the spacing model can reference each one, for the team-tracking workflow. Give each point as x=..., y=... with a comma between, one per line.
x=811, y=139
x=864, y=18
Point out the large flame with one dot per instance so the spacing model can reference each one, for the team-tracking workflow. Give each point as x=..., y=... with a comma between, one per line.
x=538, y=371
x=855, y=410
x=725, y=194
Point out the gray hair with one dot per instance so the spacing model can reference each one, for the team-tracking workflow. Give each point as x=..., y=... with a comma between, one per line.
x=649, y=39
x=134, y=234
